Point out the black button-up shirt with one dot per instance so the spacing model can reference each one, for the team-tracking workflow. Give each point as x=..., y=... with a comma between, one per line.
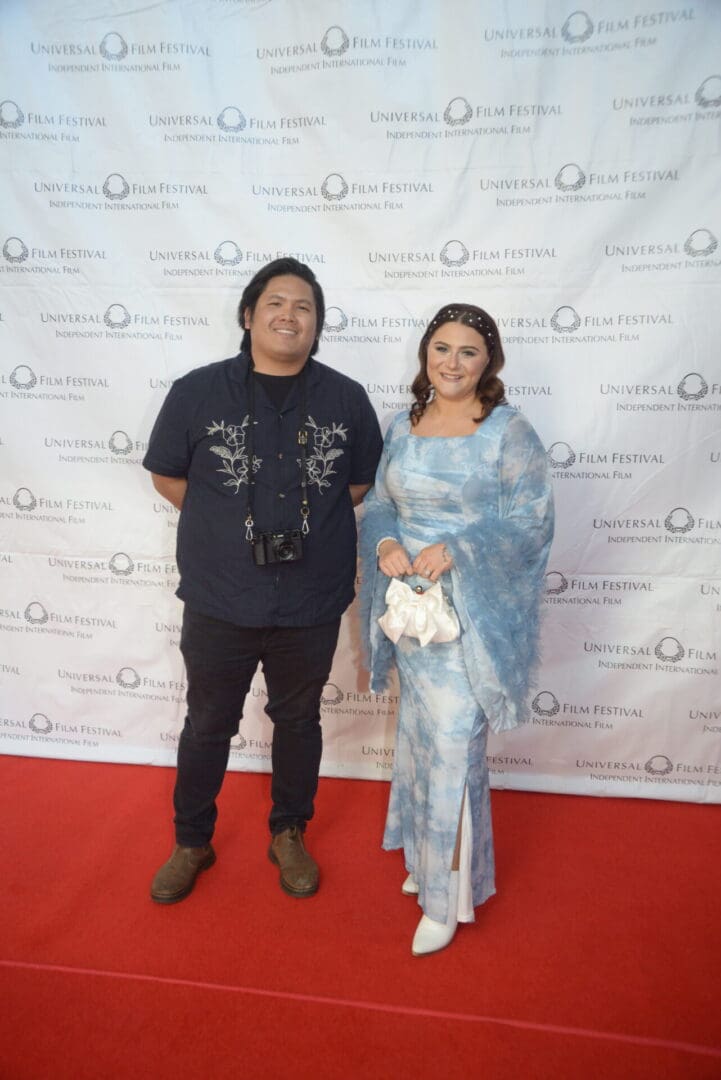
x=202, y=433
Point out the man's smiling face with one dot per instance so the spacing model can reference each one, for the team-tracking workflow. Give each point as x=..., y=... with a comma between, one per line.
x=283, y=325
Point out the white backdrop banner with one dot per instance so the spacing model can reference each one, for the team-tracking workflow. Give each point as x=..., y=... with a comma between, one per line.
x=559, y=167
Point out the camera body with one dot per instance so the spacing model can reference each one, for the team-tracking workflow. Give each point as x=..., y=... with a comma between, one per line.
x=277, y=547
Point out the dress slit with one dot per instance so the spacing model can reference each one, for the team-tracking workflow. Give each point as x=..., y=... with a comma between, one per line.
x=440, y=758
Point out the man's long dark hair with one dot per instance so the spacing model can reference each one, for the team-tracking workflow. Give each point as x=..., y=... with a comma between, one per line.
x=490, y=390
x=256, y=286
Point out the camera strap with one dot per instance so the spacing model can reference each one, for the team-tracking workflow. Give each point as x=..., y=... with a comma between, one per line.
x=302, y=443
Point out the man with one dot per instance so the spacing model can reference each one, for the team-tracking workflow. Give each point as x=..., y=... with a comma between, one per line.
x=265, y=454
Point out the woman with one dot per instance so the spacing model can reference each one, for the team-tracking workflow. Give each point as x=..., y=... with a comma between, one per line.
x=462, y=496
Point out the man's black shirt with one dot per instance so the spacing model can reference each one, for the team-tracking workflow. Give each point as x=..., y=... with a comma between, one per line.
x=277, y=387
x=201, y=433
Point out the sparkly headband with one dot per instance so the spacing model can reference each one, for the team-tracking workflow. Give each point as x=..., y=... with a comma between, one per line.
x=469, y=318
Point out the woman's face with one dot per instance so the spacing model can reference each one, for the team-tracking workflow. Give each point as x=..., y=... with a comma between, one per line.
x=456, y=358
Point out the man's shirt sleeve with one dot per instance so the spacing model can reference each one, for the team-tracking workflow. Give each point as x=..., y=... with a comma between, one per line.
x=368, y=444
x=170, y=445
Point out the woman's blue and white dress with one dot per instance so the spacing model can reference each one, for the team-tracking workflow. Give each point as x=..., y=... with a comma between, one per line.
x=487, y=497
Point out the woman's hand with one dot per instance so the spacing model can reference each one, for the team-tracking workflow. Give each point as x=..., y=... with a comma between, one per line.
x=393, y=559
x=432, y=561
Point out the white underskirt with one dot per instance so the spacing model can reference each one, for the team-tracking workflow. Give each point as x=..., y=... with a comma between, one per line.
x=465, y=891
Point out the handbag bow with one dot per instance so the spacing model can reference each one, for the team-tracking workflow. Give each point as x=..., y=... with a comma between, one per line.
x=426, y=616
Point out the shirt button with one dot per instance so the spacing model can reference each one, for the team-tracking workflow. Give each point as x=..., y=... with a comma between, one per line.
x=280, y=457
x=281, y=495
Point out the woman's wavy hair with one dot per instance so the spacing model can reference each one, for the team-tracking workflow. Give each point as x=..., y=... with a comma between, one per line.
x=490, y=390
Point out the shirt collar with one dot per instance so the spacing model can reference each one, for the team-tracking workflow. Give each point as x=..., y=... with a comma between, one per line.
x=240, y=367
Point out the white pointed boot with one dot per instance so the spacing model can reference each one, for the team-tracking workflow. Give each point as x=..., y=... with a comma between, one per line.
x=432, y=936
x=410, y=886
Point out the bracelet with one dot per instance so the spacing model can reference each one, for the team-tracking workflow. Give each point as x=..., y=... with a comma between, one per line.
x=382, y=541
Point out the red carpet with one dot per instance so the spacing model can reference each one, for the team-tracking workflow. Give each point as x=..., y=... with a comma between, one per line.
x=599, y=957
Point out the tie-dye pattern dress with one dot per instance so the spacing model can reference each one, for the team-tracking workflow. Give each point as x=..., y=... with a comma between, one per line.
x=487, y=497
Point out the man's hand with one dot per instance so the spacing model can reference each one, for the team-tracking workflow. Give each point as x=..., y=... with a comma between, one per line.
x=358, y=492
x=393, y=559
x=432, y=561
x=172, y=488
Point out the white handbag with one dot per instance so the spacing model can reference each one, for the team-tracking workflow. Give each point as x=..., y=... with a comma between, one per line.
x=425, y=615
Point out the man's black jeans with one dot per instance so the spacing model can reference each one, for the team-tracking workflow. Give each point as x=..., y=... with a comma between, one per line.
x=220, y=660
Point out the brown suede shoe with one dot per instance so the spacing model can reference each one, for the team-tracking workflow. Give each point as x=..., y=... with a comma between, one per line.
x=298, y=871
x=176, y=878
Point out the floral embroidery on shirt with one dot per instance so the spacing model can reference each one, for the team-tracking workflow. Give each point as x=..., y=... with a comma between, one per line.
x=319, y=460
x=233, y=454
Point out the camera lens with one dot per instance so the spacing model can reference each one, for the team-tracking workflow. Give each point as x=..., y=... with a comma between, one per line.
x=285, y=551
